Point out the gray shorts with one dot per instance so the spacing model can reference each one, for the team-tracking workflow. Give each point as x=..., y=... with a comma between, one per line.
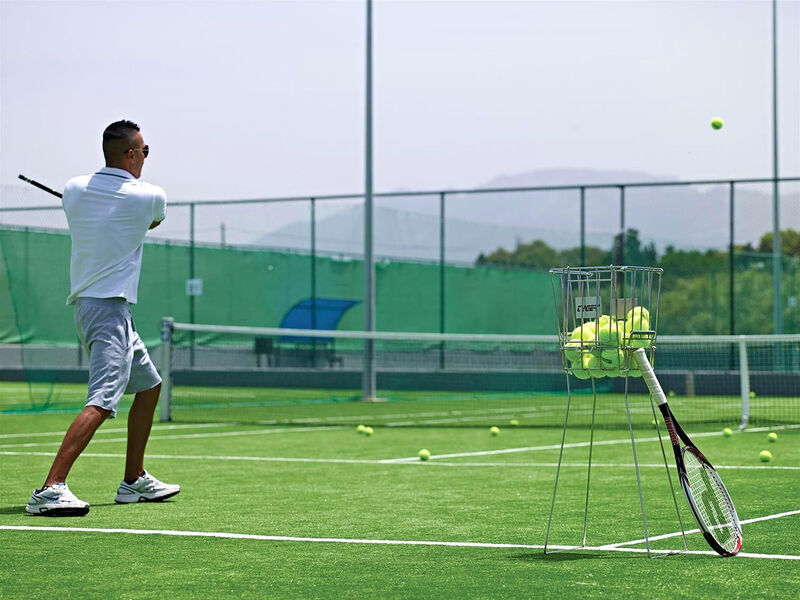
x=118, y=361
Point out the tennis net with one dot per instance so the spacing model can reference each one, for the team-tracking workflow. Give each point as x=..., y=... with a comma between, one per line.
x=313, y=377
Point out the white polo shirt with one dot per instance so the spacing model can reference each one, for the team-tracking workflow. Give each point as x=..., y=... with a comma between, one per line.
x=109, y=214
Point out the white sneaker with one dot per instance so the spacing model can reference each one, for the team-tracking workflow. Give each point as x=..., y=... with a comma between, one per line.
x=56, y=501
x=145, y=489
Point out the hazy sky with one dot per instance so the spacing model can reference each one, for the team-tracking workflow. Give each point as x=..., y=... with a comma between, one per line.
x=259, y=99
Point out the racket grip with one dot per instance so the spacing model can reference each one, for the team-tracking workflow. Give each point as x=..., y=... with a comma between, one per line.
x=649, y=376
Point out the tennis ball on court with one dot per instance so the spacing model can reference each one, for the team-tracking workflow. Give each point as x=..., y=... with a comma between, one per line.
x=671, y=393
x=727, y=432
x=653, y=422
x=424, y=454
x=360, y=428
x=717, y=123
x=368, y=431
x=514, y=423
x=765, y=456
x=752, y=394
x=772, y=436
x=494, y=430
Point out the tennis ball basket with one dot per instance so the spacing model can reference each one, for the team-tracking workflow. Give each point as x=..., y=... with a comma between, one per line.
x=603, y=314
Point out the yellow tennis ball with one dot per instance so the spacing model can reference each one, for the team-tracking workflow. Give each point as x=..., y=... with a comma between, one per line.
x=368, y=431
x=360, y=428
x=727, y=432
x=424, y=454
x=717, y=123
x=772, y=436
x=581, y=373
x=494, y=430
x=765, y=456
x=514, y=423
x=638, y=311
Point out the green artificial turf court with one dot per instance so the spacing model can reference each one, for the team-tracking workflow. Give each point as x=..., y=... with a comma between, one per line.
x=320, y=511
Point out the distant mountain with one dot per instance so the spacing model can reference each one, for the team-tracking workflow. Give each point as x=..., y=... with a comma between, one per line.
x=684, y=216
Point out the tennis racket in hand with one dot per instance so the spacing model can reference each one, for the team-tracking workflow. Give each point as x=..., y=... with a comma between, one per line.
x=709, y=500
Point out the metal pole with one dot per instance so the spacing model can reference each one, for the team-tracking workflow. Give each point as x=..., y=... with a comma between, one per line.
x=776, y=230
x=622, y=225
x=313, y=280
x=191, y=276
x=441, y=275
x=583, y=226
x=369, y=267
x=731, y=264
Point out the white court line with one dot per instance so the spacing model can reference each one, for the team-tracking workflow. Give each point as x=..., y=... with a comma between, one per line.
x=367, y=461
x=677, y=533
x=191, y=436
x=156, y=427
x=283, y=538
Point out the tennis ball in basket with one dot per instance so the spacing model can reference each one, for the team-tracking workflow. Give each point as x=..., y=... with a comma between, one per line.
x=603, y=320
x=638, y=311
x=572, y=350
x=772, y=436
x=590, y=361
x=424, y=454
x=608, y=334
x=585, y=331
x=727, y=432
x=765, y=456
x=368, y=431
x=581, y=373
x=494, y=430
x=717, y=123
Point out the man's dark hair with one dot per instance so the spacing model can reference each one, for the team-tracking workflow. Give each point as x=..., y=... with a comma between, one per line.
x=119, y=131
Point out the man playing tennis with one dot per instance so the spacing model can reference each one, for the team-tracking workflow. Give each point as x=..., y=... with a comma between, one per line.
x=109, y=214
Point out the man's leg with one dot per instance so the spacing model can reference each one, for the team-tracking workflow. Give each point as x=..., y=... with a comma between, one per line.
x=75, y=441
x=140, y=420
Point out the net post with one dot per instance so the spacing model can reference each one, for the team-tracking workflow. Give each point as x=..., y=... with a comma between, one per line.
x=744, y=381
x=166, y=368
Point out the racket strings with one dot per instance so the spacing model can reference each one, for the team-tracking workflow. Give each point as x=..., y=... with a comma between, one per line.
x=712, y=502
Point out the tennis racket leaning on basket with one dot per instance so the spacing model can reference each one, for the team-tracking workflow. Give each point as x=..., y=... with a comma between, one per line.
x=709, y=500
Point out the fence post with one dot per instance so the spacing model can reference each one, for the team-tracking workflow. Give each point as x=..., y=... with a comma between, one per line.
x=166, y=369
x=744, y=381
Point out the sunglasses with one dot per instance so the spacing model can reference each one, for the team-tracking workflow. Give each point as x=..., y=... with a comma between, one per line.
x=145, y=150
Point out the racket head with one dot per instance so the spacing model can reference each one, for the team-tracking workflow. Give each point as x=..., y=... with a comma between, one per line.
x=710, y=502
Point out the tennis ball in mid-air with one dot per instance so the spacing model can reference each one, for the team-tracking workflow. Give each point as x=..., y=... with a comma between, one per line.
x=424, y=454
x=727, y=432
x=717, y=123
x=368, y=431
x=514, y=423
x=772, y=436
x=765, y=456
x=494, y=430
